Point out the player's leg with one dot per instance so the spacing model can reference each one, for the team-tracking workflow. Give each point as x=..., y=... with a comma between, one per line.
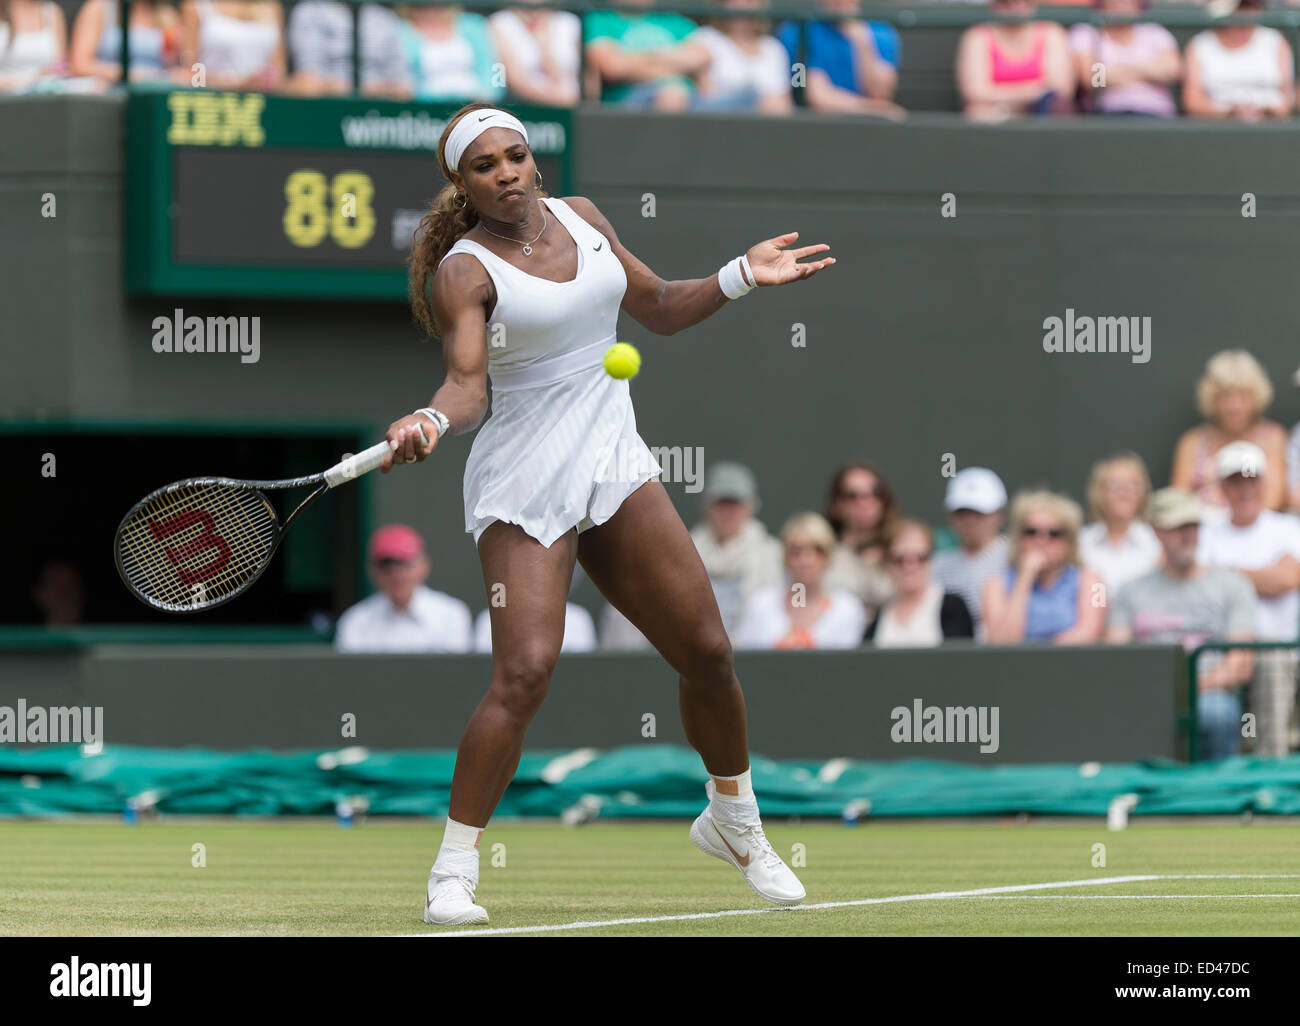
x=527, y=586
x=643, y=560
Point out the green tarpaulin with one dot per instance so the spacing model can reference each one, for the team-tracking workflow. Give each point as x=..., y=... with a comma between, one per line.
x=654, y=780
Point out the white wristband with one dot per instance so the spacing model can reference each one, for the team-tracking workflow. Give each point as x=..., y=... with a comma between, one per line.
x=438, y=418
x=732, y=279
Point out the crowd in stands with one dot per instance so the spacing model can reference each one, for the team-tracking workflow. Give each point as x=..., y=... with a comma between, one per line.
x=637, y=56
x=1212, y=556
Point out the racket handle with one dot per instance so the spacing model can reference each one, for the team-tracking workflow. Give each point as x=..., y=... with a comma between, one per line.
x=362, y=463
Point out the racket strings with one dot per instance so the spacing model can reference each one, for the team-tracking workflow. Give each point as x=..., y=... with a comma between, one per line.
x=196, y=545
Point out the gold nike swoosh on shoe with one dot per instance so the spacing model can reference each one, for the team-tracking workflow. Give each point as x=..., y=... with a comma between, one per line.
x=742, y=859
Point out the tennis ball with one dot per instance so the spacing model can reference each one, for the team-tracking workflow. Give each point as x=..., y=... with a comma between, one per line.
x=622, y=360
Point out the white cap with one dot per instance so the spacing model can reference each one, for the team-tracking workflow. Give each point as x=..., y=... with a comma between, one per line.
x=1244, y=458
x=975, y=488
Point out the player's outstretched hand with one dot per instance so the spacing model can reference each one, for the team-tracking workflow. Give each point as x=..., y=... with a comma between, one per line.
x=404, y=438
x=773, y=264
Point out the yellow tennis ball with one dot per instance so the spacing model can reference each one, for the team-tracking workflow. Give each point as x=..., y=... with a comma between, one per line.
x=622, y=360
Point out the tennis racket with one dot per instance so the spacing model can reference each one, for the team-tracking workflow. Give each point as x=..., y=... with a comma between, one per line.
x=198, y=543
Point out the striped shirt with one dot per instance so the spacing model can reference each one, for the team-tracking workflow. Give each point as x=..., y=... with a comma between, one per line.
x=965, y=574
x=320, y=40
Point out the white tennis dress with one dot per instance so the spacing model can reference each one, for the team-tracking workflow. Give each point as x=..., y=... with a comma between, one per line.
x=560, y=449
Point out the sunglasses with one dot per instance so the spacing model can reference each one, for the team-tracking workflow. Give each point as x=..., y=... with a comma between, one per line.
x=869, y=493
x=907, y=558
x=1055, y=533
x=391, y=564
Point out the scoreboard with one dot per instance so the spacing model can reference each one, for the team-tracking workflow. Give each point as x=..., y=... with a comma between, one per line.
x=245, y=194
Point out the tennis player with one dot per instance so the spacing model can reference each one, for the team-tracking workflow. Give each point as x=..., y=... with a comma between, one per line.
x=527, y=288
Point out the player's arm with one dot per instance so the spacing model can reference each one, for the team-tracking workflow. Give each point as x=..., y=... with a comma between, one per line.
x=666, y=307
x=461, y=295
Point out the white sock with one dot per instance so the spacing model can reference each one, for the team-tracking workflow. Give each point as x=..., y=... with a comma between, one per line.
x=459, y=850
x=461, y=836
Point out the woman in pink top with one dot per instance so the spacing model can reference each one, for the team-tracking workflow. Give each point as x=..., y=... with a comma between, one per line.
x=1126, y=67
x=1232, y=395
x=1005, y=68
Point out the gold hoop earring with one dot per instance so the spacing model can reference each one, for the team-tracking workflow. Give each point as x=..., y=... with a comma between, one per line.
x=539, y=181
x=463, y=200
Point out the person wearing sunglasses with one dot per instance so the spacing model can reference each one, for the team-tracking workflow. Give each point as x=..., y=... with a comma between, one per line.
x=861, y=510
x=1044, y=595
x=921, y=614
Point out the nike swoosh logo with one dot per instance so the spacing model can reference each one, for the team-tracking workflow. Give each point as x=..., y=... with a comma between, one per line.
x=597, y=248
x=742, y=859
x=485, y=117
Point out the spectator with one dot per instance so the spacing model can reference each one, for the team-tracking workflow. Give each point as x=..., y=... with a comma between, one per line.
x=1185, y=603
x=239, y=43
x=851, y=65
x=1127, y=67
x=1265, y=546
x=1239, y=71
x=321, y=45
x=861, y=510
x=642, y=57
x=740, y=557
x=1119, y=545
x=96, y=49
x=807, y=614
x=1044, y=595
x=404, y=615
x=975, y=501
x=453, y=53
x=1232, y=395
x=921, y=614
x=540, y=51
x=579, y=630
x=33, y=42
x=1293, y=462
x=59, y=595
x=748, y=68
x=1008, y=69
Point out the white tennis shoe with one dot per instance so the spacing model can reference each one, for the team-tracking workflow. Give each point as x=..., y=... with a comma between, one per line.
x=449, y=900
x=746, y=848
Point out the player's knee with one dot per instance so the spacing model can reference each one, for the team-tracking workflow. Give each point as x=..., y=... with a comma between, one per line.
x=711, y=660
x=523, y=678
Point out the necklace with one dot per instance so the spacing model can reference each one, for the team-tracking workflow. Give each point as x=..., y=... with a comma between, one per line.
x=528, y=246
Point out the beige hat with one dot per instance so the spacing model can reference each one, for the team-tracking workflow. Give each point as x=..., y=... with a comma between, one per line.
x=1174, y=507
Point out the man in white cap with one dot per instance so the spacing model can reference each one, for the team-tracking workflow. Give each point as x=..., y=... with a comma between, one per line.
x=739, y=554
x=1185, y=603
x=975, y=500
x=1265, y=546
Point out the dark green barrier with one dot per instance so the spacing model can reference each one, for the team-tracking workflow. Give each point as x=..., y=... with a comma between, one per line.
x=1041, y=704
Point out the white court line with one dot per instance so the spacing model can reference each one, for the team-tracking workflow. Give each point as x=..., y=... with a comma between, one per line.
x=1124, y=897
x=932, y=896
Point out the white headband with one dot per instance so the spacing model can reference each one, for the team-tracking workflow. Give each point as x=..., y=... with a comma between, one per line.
x=474, y=124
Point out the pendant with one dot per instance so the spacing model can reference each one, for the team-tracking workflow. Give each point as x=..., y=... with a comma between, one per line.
x=528, y=251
